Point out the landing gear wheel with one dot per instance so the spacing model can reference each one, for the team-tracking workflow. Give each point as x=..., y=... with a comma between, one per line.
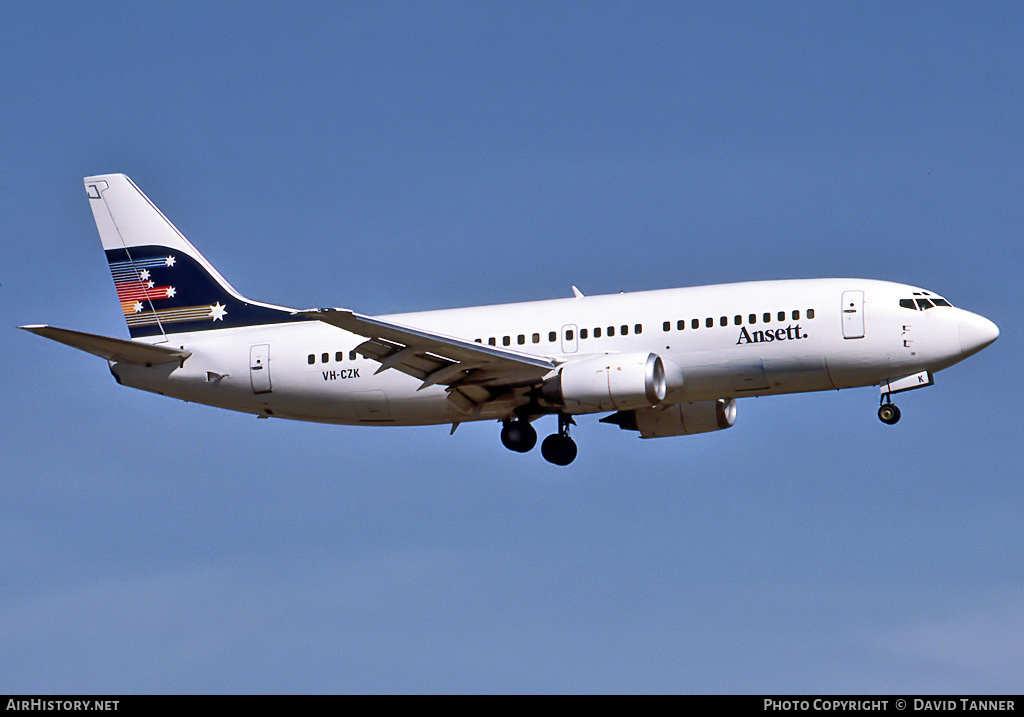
x=518, y=436
x=888, y=413
x=558, y=449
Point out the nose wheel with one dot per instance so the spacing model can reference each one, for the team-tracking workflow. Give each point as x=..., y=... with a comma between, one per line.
x=888, y=412
x=558, y=448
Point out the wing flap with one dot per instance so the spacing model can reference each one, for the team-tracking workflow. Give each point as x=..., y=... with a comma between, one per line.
x=117, y=350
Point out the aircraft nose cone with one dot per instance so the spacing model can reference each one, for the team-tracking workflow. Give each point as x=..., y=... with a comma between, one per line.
x=976, y=332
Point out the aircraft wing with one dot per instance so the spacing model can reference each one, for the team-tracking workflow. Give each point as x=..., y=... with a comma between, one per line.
x=436, y=358
x=117, y=350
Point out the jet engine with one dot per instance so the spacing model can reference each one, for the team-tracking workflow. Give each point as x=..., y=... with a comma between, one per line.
x=610, y=382
x=677, y=419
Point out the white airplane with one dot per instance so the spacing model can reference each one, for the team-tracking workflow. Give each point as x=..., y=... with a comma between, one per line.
x=663, y=363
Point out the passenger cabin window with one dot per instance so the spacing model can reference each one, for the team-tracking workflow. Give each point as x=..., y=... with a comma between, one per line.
x=536, y=338
x=583, y=333
x=568, y=334
x=325, y=357
x=492, y=341
x=506, y=340
x=810, y=313
x=624, y=330
x=681, y=324
x=352, y=355
x=695, y=324
x=611, y=331
x=782, y=316
x=709, y=322
x=311, y=359
x=339, y=356
x=638, y=329
x=668, y=325
x=767, y=318
x=597, y=332
x=552, y=336
x=738, y=320
x=522, y=339
x=752, y=318
x=796, y=315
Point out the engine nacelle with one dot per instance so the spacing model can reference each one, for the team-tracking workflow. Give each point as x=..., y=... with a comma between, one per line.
x=610, y=382
x=677, y=419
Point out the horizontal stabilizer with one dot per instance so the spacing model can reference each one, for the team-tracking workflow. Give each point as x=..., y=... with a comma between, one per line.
x=117, y=350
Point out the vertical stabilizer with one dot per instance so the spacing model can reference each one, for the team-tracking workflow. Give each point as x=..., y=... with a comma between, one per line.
x=164, y=285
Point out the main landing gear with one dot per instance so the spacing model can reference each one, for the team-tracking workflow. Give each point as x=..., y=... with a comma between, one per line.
x=558, y=448
x=888, y=412
x=518, y=435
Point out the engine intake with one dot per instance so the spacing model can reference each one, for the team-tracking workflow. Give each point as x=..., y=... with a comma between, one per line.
x=611, y=382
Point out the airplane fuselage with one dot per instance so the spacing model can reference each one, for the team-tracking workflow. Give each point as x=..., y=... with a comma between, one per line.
x=730, y=340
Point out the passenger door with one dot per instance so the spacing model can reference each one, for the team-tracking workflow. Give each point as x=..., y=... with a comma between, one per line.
x=259, y=368
x=853, y=314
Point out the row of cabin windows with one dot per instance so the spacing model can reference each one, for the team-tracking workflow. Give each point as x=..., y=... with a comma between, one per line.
x=598, y=331
x=553, y=335
x=709, y=322
x=326, y=357
x=610, y=331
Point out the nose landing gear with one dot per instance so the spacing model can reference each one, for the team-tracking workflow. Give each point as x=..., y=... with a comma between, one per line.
x=888, y=412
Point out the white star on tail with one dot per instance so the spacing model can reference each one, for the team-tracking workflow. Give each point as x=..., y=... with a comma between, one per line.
x=171, y=291
x=169, y=261
x=137, y=307
x=217, y=312
x=144, y=274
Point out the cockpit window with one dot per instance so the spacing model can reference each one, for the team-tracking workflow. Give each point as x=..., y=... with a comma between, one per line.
x=923, y=304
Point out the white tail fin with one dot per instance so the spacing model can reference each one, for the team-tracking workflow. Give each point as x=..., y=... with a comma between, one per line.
x=163, y=283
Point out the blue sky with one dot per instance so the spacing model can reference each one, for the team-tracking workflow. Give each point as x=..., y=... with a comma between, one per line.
x=395, y=156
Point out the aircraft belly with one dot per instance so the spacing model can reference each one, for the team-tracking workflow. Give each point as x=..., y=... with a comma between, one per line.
x=799, y=373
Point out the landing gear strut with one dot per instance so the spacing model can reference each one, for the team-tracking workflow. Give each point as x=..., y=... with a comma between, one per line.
x=888, y=412
x=518, y=435
x=558, y=448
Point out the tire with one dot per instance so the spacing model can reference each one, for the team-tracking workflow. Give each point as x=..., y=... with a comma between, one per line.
x=560, y=450
x=519, y=436
x=889, y=414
